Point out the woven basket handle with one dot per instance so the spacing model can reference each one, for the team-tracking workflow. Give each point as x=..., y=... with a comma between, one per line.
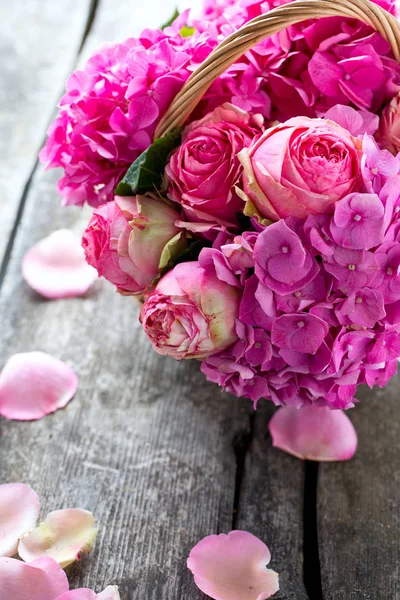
x=256, y=30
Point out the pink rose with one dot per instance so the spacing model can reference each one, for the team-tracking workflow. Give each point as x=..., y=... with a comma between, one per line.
x=389, y=129
x=130, y=239
x=191, y=313
x=300, y=167
x=203, y=171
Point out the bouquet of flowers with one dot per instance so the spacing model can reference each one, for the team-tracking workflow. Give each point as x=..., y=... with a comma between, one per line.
x=246, y=187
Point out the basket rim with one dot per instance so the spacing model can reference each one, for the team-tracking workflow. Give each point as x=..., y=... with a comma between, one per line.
x=262, y=27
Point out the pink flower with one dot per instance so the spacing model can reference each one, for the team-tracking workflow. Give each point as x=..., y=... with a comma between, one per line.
x=389, y=128
x=299, y=332
x=301, y=167
x=377, y=165
x=358, y=222
x=388, y=278
x=281, y=261
x=191, y=313
x=357, y=122
x=130, y=239
x=353, y=269
x=109, y=113
x=364, y=308
x=203, y=171
x=356, y=77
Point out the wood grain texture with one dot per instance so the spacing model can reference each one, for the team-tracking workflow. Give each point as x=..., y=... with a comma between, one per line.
x=39, y=43
x=271, y=505
x=147, y=444
x=359, y=508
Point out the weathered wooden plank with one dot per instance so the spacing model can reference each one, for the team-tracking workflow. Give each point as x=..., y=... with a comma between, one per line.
x=39, y=43
x=359, y=508
x=271, y=506
x=146, y=444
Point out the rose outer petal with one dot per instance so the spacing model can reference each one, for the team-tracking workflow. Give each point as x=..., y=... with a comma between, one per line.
x=110, y=593
x=19, y=511
x=34, y=384
x=314, y=433
x=56, y=267
x=233, y=567
x=43, y=579
x=64, y=536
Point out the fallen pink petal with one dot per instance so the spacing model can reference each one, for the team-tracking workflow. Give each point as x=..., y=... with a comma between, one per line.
x=64, y=536
x=314, y=433
x=19, y=512
x=56, y=267
x=43, y=579
x=35, y=384
x=110, y=593
x=233, y=567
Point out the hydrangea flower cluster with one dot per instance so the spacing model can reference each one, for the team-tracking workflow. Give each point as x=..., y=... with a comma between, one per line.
x=268, y=249
x=320, y=310
x=111, y=107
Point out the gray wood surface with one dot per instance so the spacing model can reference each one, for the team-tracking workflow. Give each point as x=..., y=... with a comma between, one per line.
x=359, y=508
x=39, y=43
x=271, y=505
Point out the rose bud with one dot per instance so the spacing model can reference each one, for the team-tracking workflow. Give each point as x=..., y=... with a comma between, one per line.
x=203, y=171
x=129, y=239
x=191, y=313
x=389, y=129
x=300, y=167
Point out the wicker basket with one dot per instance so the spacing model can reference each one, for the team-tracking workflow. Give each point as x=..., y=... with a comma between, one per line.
x=256, y=30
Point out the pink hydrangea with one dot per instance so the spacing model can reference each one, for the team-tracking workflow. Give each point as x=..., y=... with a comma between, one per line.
x=320, y=308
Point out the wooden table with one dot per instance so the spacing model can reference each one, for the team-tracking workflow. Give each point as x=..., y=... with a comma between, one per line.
x=160, y=456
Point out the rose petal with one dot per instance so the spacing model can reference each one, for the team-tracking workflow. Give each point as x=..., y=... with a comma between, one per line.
x=233, y=567
x=43, y=579
x=56, y=267
x=314, y=433
x=110, y=593
x=80, y=594
x=19, y=511
x=64, y=536
x=34, y=384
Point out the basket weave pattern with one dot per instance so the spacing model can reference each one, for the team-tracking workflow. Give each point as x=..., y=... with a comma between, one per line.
x=256, y=30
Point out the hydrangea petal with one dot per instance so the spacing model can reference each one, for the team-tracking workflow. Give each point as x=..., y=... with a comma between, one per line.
x=56, y=267
x=64, y=536
x=35, y=384
x=19, y=511
x=233, y=567
x=42, y=579
x=314, y=433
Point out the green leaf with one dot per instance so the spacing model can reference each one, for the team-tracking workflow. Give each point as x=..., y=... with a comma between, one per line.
x=172, y=19
x=172, y=251
x=146, y=172
x=187, y=31
x=193, y=251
